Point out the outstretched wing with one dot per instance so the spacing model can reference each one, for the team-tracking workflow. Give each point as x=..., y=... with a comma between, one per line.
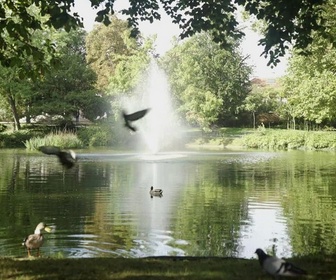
x=50, y=150
x=130, y=127
x=136, y=115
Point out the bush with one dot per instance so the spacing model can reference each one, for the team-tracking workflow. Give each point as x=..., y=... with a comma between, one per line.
x=96, y=135
x=290, y=139
x=65, y=140
x=16, y=139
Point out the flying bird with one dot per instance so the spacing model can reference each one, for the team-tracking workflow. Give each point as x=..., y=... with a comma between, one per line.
x=133, y=117
x=66, y=158
x=278, y=267
x=155, y=192
x=35, y=241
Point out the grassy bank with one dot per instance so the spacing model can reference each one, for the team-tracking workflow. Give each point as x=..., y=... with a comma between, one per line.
x=219, y=138
x=275, y=139
x=282, y=139
x=152, y=268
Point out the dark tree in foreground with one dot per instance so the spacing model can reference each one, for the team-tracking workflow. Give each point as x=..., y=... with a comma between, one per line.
x=287, y=22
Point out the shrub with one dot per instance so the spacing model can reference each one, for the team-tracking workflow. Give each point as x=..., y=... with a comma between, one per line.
x=16, y=139
x=290, y=139
x=96, y=135
x=66, y=140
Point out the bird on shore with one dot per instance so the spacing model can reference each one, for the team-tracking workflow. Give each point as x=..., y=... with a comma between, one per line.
x=128, y=118
x=155, y=192
x=278, y=267
x=35, y=241
x=66, y=158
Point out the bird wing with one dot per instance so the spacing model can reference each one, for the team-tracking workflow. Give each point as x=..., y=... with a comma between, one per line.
x=289, y=269
x=279, y=267
x=136, y=115
x=33, y=241
x=49, y=150
x=273, y=265
x=67, y=159
x=130, y=127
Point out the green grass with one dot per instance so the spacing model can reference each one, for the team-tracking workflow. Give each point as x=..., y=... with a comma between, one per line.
x=274, y=139
x=61, y=139
x=218, y=138
x=153, y=268
x=281, y=139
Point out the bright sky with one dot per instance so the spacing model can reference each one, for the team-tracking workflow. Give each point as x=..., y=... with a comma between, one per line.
x=165, y=30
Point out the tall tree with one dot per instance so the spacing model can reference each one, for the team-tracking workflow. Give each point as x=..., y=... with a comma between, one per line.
x=107, y=46
x=310, y=86
x=263, y=100
x=13, y=91
x=287, y=21
x=68, y=88
x=209, y=81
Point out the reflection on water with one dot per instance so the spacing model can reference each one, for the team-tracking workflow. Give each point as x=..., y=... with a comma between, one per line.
x=213, y=204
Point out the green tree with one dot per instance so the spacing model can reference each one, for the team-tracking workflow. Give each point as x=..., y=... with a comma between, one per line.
x=68, y=88
x=108, y=46
x=287, y=22
x=309, y=87
x=13, y=91
x=263, y=100
x=209, y=81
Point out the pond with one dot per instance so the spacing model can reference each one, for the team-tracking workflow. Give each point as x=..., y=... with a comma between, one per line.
x=224, y=203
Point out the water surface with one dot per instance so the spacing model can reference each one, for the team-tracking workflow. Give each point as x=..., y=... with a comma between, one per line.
x=214, y=203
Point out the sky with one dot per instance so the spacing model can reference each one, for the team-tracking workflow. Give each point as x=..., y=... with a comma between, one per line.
x=166, y=30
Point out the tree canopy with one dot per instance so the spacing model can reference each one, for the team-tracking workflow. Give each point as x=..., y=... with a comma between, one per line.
x=287, y=22
x=109, y=47
x=209, y=82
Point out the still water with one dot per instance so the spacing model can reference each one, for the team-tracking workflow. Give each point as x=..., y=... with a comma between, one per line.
x=214, y=203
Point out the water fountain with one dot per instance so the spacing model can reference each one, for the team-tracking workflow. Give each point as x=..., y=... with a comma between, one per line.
x=159, y=129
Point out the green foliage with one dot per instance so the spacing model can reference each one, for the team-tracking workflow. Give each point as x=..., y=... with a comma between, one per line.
x=289, y=139
x=262, y=99
x=68, y=88
x=60, y=139
x=128, y=73
x=209, y=82
x=111, y=51
x=287, y=22
x=15, y=139
x=14, y=92
x=310, y=86
x=96, y=135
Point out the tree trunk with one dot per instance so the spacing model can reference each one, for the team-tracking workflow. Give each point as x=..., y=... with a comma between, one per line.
x=12, y=104
x=28, y=118
x=254, y=120
x=294, y=123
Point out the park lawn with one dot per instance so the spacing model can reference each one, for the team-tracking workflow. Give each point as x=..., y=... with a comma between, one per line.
x=153, y=268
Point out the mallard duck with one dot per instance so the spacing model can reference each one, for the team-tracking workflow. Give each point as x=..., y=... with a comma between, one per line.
x=278, y=267
x=155, y=192
x=35, y=241
x=66, y=158
x=133, y=117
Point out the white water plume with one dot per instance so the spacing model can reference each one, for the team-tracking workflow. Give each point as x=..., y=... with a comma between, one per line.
x=159, y=129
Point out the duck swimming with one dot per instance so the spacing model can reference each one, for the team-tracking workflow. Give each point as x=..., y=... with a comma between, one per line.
x=35, y=241
x=155, y=192
x=66, y=158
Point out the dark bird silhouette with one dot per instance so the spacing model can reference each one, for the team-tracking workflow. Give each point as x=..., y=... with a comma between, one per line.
x=66, y=158
x=155, y=192
x=278, y=267
x=35, y=241
x=133, y=117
